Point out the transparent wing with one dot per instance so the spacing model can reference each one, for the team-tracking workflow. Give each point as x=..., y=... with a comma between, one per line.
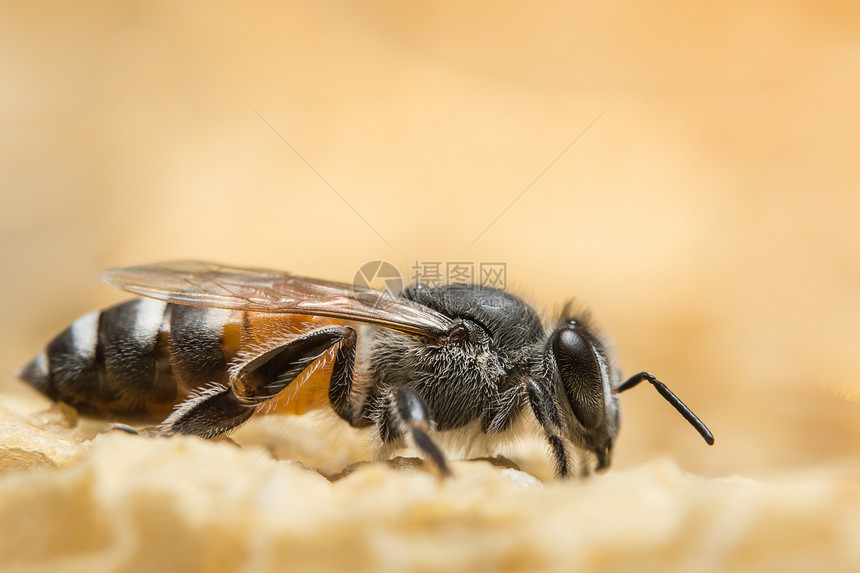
x=212, y=285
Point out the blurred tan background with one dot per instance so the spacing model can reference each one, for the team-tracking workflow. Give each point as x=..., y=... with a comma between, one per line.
x=707, y=217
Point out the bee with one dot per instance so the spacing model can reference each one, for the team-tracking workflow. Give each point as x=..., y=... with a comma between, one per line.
x=205, y=346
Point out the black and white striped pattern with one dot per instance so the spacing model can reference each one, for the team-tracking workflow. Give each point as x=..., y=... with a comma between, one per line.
x=127, y=358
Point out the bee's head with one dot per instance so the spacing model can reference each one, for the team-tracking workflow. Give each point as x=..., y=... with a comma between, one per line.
x=582, y=373
x=580, y=368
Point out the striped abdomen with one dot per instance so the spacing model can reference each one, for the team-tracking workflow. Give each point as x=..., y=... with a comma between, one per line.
x=137, y=359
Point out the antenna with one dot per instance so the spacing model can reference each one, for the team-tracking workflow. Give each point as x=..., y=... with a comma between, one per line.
x=672, y=399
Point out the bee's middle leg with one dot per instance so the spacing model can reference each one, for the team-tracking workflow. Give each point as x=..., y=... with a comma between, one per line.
x=406, y=414
x=219, y=408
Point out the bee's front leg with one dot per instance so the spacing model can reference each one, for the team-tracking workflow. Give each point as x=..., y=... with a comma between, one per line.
x=219, y=408
x=550, y=418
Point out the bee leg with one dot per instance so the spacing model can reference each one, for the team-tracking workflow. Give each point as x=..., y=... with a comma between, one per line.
x=219, y=408
x=124, y=428
x=340, y=387
x=267, y=375
x=208, y=413
x=407, y=414
x=549, y=417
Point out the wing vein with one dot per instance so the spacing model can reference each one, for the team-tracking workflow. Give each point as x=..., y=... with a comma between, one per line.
x=199, y=283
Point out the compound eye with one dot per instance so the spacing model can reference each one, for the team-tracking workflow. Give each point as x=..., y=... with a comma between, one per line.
x=578, y=366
